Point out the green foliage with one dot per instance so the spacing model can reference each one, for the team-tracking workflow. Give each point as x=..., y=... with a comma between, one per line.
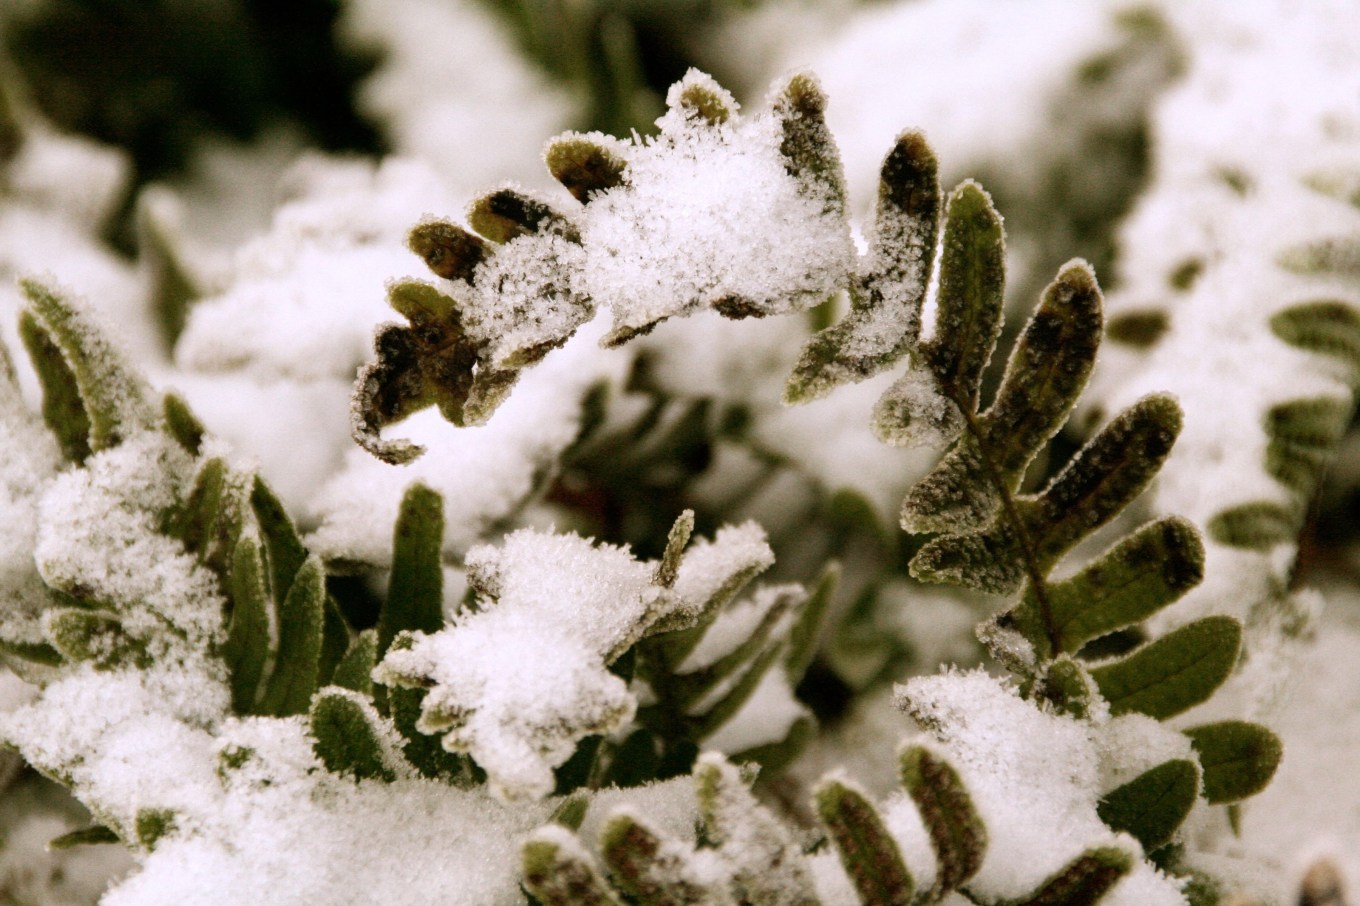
x=347, y=742
x=956, y=831
x=1083, y=881
x=1152, y=805
x=1173, y=673
x=1239, y=758
x=867, y=849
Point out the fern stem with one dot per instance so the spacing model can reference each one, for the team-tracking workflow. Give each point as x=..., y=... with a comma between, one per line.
x=1012, y=515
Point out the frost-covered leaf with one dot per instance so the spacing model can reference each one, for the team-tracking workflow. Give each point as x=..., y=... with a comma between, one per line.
x=557, y=871
x=766, y=862
x=1173, y=673
x=956, y=831
x=344, y=726
x=586, y=163
x=570, y=608
x=247, y=645
x=1046, y=372
x=448, y=250
x=1084, y=881
x=297, y=659
x=886, y=296
x=1152, y=805
x=62, y=407
x=1140, y=575
x=91, y=635
x=865, y=846
x=1238, y=758
x=113, y=397
x=651, y=870
x=415, y=592
x=972, y=284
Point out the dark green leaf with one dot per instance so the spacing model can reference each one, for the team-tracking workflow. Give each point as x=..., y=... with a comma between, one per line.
x=449, y=251
x=1303, y=437
x=282, y=545
x=560, y=876
x=335, y=641
x=182, y=424
x=971, y=288
x=1324, y=326
x=95, y=833
x=114, y=397
x=704, y=98
x=955, y=828
x=1335, y=256
x=955, y=496
x=585, y=164
x=1067, y=686
x=290, y=687
x=1152, y=805
x=247, y=646
x=571, y=812
x=807, y=145
x=36, y=652
x=1137, y=577
x=884, y=319
x=1256, y=526
x=1174, y=673
x=992, y=561
x=345, y=739
x=635, y=761
x=62, y=408
x=1082, y=882
x=415, y=596
x=355, y=669
x=1046, y=373
x=1238, y=758
x=866, y=847
x=1141, y=329
x=807, y=629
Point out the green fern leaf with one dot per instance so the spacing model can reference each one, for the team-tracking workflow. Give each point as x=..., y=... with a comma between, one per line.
x=955, y=828
x=1173, y=673
x=866, y=848
x=1152, y=805
x=450, y=252
x=344, y=737
x=1259, y=525
x=1140, y=575
x=62, y=408
x=415, y=594
x=1326, y=327
x=885, y=300
x=585, y=164
x=1238, y=758
x=182, y=424
x=649, y=870
x=1082, y=882
x=298, y=656
x=356, y=668
x=247, y=646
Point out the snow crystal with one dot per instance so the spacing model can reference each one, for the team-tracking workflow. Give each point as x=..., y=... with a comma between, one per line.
x=1025, y=770
x=708, y=566
x=708, y=214
x=566, y=608
x=100, y=532
x=305, y=296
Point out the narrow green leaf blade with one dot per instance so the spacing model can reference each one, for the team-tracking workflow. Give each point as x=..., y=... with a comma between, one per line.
x=1173, y=673
x=1137, y=577
x=182, y=424
x=62, y=408
x=297, y=661
x=1304, y=435
x=1325, y=326
x=866, y=848
x=1081, y=882
x=355, y=669
x=556, y=871
x=283, y=547
x=884, y=321
x=1152, y=805
x=971, y=289
x=812, y=619
x=1259, y=525
x=1046, y=373
x=345, y=739
x=415, y=595
x=247, y=646
x=807, y=145
x=1103, y=478
x=956, y=830
x=85, y=836
x=113, y=395
x=1238, y=758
